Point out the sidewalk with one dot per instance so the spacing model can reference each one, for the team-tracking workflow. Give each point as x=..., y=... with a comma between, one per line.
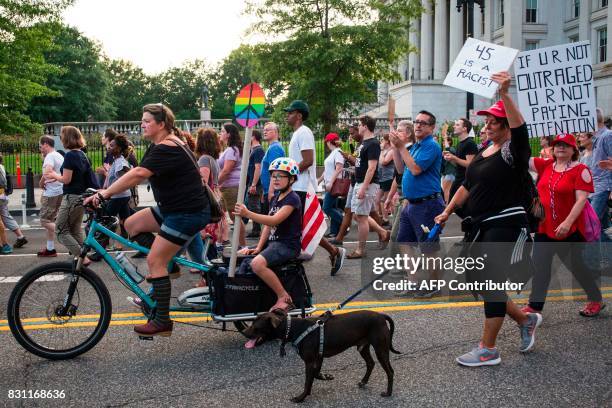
x=15, y=207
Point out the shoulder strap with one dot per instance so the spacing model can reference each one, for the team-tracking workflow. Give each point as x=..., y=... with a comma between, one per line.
x=188, y=153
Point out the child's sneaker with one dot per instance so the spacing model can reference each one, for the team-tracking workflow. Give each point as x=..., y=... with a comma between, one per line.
x=6, y=249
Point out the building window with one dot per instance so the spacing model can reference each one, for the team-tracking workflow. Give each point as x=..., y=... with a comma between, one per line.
x=500, y=14
x=604, y=3
x=602, y=45
x=573, y=38
x=531, y=45
x=531, y=11
x=575, y=8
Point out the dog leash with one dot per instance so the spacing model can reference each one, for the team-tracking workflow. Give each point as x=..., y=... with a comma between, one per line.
x=320, y=324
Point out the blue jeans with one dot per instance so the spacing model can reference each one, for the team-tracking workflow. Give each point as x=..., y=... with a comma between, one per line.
x=599, y=201
x=195, y=249
x=330, y=208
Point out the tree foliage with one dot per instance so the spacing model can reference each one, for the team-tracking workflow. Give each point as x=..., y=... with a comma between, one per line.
x=83, y=87
x=129, y=86
x=26, y=29
x=334, y=49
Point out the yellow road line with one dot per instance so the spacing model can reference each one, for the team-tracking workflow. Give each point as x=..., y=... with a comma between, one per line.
x=390, y=308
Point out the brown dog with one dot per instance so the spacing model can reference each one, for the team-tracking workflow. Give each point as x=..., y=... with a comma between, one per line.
x=360, y=328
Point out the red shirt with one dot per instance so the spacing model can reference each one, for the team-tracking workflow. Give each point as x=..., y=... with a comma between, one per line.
x=564, y=185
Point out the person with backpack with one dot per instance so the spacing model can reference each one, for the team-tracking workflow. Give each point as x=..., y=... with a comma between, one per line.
x=7, y=219
x=75, y=176
x=498, y=225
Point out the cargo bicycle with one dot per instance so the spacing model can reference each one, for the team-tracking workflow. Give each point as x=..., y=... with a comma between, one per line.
x=60, y=310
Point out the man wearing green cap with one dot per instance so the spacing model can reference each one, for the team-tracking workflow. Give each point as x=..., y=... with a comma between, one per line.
x=302, y=150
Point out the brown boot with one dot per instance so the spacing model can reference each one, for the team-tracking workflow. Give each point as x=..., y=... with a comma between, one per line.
x=152, y=328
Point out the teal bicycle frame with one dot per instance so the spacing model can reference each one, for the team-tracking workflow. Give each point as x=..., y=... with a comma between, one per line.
x=91, y=243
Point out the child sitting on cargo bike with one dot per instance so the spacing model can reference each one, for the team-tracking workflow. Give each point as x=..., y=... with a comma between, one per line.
x=280, y=239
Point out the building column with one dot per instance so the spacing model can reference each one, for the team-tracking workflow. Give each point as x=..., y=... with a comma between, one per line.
x=441, y=40
x=456, y=34
x=477, y=22
x=414, y=63
x=513, y=18
x=584, y=21
x=426, y=50
x=609, y=48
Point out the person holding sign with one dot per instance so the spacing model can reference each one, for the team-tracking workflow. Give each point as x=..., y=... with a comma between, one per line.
x=280, y=240
x=498, y=215
x=564, y=185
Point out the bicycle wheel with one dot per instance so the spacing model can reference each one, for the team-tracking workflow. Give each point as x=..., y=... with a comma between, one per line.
x=242, y=325
x=34, y=311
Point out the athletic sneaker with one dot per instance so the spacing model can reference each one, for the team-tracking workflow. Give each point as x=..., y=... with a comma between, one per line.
x=20, y=242
x=6, y=249
x=480, y=356
x=337, y=260
x=528, y=309
x=534, y=320
x=426, y=293
x=592, y=309
x=45, y=253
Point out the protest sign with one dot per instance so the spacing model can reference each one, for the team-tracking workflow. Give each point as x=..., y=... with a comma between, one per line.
x=555, y=89
x=475, y=64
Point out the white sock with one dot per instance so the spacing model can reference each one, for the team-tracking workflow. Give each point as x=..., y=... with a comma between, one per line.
x=50, y=245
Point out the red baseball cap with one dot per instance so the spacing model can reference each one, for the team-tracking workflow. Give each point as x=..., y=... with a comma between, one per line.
x=332, y=137
x=566, y=138
x=498, y=110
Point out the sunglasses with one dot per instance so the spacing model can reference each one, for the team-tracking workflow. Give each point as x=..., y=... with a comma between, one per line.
x=422, y=123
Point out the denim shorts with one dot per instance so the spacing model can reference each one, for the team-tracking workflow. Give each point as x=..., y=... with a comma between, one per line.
x=411, y=218
x=179, y=228
x=277, y=253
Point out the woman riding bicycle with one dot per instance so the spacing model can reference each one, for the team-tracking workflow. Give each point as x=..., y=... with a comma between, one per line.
x=182, y=209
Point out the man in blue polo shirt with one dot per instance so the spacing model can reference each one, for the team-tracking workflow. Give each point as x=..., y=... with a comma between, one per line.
x=421, y=187
x=274, y=151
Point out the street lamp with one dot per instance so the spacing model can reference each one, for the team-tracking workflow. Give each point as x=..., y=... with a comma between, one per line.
x=469, y=5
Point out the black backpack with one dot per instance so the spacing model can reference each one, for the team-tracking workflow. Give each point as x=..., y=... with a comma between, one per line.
x=8, y=189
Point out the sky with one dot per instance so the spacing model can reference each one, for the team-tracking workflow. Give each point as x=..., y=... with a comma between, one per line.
x=158, y=34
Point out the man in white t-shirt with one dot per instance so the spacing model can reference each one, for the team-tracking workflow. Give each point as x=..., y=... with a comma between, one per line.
x=302, y=150
x=52, y=193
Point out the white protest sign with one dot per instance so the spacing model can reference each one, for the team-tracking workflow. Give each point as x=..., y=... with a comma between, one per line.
x=474, y=65
x=555, y=89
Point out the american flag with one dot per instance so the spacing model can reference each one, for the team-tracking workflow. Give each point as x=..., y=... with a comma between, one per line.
x=313, y=223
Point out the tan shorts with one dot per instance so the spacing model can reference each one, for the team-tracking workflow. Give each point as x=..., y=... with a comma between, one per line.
x=230, y=196
x=365, y=205
x=49, y=207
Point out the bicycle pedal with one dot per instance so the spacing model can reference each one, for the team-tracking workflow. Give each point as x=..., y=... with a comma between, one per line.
x=147, y=338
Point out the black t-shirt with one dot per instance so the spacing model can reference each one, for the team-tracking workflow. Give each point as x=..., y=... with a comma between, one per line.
x=368, y=150
x=76, y=161
x=494, y=182
x=256, y=157
x=289, y=232
x=109, y=159
x=465, y=147
x=176, y=182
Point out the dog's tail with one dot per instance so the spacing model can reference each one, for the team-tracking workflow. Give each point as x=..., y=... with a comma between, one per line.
x=392, y=329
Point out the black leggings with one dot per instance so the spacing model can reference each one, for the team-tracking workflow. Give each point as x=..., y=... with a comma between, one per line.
x=545, y=249
x=498, y=243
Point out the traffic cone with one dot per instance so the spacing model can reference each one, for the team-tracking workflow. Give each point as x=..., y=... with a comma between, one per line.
x=18, y=170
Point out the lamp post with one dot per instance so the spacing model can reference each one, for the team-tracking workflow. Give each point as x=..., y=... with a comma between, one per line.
x=469, y=5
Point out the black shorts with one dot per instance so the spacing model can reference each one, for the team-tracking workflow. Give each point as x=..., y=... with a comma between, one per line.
x=385, y=186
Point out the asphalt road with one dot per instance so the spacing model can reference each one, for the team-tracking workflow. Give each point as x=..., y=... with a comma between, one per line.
x=570, y=365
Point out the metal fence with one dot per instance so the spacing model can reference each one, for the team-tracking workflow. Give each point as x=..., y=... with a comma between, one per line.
x=30, y=157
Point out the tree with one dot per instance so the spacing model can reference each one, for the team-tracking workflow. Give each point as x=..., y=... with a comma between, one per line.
x=181, y=88
x=334, y=51
x=130, y=86
x=26, y=29
x=83, y=86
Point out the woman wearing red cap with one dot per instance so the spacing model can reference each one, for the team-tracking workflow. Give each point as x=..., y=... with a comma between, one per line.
x=564, y=185
x=334, y=163
x=493, y=192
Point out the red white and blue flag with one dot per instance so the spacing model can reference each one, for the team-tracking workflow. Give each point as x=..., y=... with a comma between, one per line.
x=313, y=223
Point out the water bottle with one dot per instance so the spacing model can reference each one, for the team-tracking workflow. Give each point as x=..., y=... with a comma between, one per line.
x=129, y=267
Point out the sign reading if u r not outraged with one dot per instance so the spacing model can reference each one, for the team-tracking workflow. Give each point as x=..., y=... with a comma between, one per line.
x=555, y=89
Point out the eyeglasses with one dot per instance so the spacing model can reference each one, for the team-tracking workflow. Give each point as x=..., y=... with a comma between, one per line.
x=279, y=176
x=422, y=123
